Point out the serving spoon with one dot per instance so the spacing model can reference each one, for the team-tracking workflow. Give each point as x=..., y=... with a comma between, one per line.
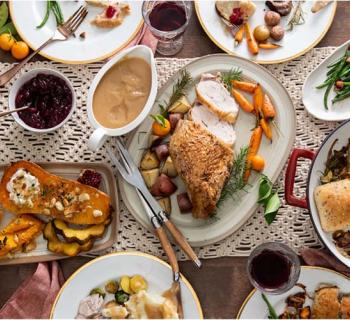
x=5, y=113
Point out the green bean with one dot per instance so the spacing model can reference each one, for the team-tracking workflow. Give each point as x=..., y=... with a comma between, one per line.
x=47, y=14
x=59, y=12
x=341, y=97
x=326, y=94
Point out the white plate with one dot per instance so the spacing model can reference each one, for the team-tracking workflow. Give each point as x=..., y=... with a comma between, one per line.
x=342, y=133
x=254, y=306
x=233, y=213
x=112, y=266
x=295, y=43
x=99, y=43
x=313, y=98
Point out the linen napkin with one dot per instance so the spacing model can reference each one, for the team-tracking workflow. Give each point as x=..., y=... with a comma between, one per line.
x=35, y=296
x=323, y=258
x=145, y=37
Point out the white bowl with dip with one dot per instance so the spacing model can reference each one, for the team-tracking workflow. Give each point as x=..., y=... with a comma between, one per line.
x=122, y=94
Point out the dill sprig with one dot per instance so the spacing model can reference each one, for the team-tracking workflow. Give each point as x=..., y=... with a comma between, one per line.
x=179, y=90
x=297, y=17
x=235, y=181
x=228, y=77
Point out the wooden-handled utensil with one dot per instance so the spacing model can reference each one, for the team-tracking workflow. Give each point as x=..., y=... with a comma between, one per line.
x=5, y=113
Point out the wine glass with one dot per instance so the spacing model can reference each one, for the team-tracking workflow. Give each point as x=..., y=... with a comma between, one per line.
x=273, y=268
x=167, y=20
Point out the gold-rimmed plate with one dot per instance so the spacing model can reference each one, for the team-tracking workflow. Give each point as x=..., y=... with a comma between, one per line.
x=254, y=306
x=113, y=266
x=295, y=43
x=98, y=44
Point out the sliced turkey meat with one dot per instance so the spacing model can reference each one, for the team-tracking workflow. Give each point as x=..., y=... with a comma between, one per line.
x=212, y=93
x=209, y=120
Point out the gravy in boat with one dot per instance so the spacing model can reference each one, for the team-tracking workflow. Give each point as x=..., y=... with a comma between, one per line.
x=122, y=93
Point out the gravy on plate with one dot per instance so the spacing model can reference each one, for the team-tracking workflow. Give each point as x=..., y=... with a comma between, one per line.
x=122, y=93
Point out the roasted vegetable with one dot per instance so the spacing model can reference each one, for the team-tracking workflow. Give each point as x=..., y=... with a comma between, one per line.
x=150, y=176
x=121, y=297
x=281, y=7
x=165, y=204
x=261, y=33
x=112, y=286
x=242, y=101
x=98, y=291
x=266, y=128
x=162, y=151
x=125, y=284
x=138, y=283
x=54, y=244
x=239, y=35
x=174, y=119
x=169, y=168
x=182, y=106
x=244, y=86
x=269, y=46
x=79, y=235
x=19, y=232
x=149, y=161
x=184, y=202
x=252, y=44
x=272, y=18
x=305, y=313
x=258, y=100
x=268, y=108
x=254, y=145
x=163, y=187
x=94, y=209
x=154, y=141
x=277, y=33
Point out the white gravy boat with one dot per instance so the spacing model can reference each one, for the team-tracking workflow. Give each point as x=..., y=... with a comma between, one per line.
x=101, y=133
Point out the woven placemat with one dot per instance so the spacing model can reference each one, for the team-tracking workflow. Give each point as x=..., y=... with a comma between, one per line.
x=292, y=226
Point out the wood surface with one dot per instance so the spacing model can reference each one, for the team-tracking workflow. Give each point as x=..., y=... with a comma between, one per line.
x=221, y=284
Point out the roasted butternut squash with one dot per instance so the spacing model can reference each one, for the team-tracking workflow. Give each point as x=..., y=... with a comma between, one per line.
x=19, y=232
x=79, y=235
x=51, y=195
x=54, y=244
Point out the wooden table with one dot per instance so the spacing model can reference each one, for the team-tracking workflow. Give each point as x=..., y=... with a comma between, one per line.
x=221, y=284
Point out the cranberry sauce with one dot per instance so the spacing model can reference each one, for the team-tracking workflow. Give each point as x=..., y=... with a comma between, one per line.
x=270, y=269
x=167, y=16
x=49, y=99
x=91, y=178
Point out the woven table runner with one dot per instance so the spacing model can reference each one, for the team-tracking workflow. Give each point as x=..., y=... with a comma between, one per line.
x=292, y=226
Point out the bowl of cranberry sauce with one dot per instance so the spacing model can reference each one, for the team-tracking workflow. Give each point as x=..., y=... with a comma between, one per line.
x=49, y=96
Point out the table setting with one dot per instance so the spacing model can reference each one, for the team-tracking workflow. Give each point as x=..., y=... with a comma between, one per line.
x=174, y=159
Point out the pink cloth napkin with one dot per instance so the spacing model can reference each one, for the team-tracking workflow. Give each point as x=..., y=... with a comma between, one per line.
x=323, y=258
x=34, y=298
x=146, y=38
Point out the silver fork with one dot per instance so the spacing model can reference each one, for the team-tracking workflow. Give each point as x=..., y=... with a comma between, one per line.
x=62, y=33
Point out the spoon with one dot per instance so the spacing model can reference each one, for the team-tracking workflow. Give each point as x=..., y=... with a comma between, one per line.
x=5, y=113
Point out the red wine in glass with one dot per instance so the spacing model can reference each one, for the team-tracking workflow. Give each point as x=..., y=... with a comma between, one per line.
x=167, y=16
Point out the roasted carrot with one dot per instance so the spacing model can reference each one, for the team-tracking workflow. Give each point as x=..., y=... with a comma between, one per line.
x=242, y=101
x=258, y=100
x=252, y=44
x=268, y=109
x=239, y=35
x=254, y=145
x=269, y=46
x=244, y=86
x=266, y=128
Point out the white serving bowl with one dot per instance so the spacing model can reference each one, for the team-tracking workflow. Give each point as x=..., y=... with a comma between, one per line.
x=26, y=77
x=101, y=133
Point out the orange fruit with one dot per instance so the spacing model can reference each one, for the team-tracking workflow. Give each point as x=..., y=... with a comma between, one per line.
x=6, y=41
x=20, y=50
x=161, y=130
x=258, y=163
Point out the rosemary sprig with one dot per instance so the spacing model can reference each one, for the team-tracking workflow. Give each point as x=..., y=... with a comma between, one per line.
x=179, y=90
x=236, y=181
x=297, y=17
x=228, y=77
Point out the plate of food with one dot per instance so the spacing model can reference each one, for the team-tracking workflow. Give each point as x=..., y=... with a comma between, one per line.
x=266, y=32
x=198, y=147
x=108, y=27
x=55, y=210
x=327, y=190
x=124, y=285
x=320, y=294
x=326, y=90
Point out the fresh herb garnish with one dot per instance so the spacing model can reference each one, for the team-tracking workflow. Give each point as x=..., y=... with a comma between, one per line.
x=272, y=311
x=235, y=181
x=268, y=197
x=297, y=16
x=228, y=77
x=159, y=119
x=179, y=90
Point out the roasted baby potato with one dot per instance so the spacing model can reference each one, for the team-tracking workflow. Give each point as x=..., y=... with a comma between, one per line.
x=182, y=106
x=163, y=187
x=154, y=140
x=79, y=235
x=165, y=204
x=169, y=168
x=150, y=176
x=138, y=283
x=162, y=151
x=54, y=244
x=149, y=161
